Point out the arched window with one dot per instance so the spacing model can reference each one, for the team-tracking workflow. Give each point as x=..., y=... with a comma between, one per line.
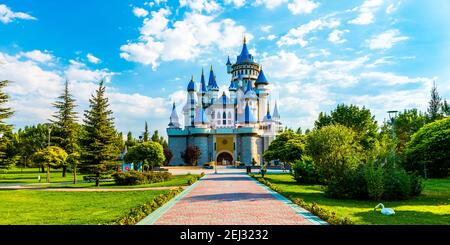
x=224, y=118
x=229, y=115
x=218, y=115
x=213, y=115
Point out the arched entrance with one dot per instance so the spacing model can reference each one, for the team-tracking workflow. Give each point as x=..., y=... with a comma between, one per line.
x=224, y=158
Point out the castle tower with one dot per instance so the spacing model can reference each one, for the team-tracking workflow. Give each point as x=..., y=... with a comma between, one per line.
x=262, y=92
x=245, y=65
x=191, y=104
x=174, y=120
x=213, y=88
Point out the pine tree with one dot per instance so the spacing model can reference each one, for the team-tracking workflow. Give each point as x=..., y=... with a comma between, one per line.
x=435, y=105
x=146, y=134
x=5, y=129
x=64, y=121
x=445, y=108
x=99, y=146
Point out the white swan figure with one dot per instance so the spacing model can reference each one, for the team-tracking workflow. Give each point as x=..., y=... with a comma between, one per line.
x=385, y=211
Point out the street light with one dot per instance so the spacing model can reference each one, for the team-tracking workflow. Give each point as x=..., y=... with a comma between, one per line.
x=392, y=116
x=49, y=133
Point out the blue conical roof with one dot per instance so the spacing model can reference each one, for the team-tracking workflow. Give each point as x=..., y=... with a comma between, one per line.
x=249, y=87
x=212, y=84
x=233, y=86
x=261, y=78
x=268, y=116
x=191, y=85
x=228, y=62
x=245, y=56
x=203, y=83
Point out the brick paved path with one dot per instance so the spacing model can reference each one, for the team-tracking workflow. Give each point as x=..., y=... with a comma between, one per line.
x=230, y=199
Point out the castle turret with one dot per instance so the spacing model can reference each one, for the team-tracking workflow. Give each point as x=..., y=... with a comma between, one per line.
x=203, y=92
x=174, y=120
x=213, y=88
x=229, y=69
x=191, y=104
x=262, y=92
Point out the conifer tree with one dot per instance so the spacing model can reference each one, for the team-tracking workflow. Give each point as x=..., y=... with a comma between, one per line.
x=435, y=105
x=146, y=134
x=99, y=148
x=5, y=129
x=65, y=123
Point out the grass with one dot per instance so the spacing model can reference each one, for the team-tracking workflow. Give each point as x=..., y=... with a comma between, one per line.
x=30, y=175
x=431, y=207
x=24, y=207
x=177, y=180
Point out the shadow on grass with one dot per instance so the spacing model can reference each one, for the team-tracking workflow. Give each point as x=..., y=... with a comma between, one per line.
x=403, y=218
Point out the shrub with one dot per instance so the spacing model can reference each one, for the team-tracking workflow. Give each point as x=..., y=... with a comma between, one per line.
x=416, y=184
x=139, y=178
x=305, y=172
x=352, y=184
x=137, y=214
x=374, y=180
x=335, y=150
x=428, y=151
x=397, y=185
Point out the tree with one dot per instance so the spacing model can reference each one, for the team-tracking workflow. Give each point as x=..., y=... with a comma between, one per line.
x=167, y=155
x=146, y=133
x=99, y=144
x=31, y=139
x=51, y=156
x=191, y=155
x=150, y=154
x=435, y=105
x=334, y=150
x=406, y=124
x=130, y=142
x=65, y=124
x=428, y=151
x=5, y=130
x=287, y=147
x=358, y=119
x=445, y=109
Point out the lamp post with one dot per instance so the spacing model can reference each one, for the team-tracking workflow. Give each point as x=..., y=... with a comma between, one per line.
x=392, y=116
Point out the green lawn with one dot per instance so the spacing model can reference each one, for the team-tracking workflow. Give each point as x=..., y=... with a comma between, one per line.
x=30, y=175
x=431, y=207
x=61, y=208
x=177, y=180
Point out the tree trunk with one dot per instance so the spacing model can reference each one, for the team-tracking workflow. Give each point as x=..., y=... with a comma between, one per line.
x=75, y=174
x=42, y=168
x=64, y=168
x=48, y=173
x=97, y=180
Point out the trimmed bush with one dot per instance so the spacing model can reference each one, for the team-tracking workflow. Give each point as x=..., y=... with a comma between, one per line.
x=137, y=214
x=351, y=185
x=140, y=178
x=397, y=185
x=305, y=172
x=428, y=151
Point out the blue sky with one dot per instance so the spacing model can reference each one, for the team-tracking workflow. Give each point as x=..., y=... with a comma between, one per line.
x=382, y=54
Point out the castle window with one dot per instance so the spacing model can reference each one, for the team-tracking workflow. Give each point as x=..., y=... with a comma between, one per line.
x=218, y=122
x=218, y=115
x=213, y=115
x=224, y=115
x=229, y=115
x=229, y=122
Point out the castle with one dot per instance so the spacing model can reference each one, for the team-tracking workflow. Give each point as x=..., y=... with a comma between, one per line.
x=227, y=128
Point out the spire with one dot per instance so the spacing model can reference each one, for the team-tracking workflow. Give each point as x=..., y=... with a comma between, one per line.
x=276, y=115
x=191, y=85
x=212, y=84
x=261, y=78
x=233, y=86
x=249, y=87
x=174, y=120
x=245, y=56
x=228, y=62
x=203, y=83
x=268, y=116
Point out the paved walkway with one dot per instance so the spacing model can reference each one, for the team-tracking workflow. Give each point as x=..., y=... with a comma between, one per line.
x=230, y=199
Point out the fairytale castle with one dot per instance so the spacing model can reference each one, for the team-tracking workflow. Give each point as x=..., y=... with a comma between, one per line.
x=227, y=127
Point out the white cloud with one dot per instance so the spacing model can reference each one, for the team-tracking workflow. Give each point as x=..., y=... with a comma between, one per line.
x=271, y=37
x=298, y=35
x=393, y=7
x=367, y=12
x=201, y=5
x=266, y=28
x=270, y=4
x=236, y=3
x=78, y=71
x=93, y=59
x=386, y=40
x=390, y=79
x=195, y=34
x=285, y=65
x=336, y=36
x=302, y=6
x=37, y=55
x=140, y=12
x=7, y=15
